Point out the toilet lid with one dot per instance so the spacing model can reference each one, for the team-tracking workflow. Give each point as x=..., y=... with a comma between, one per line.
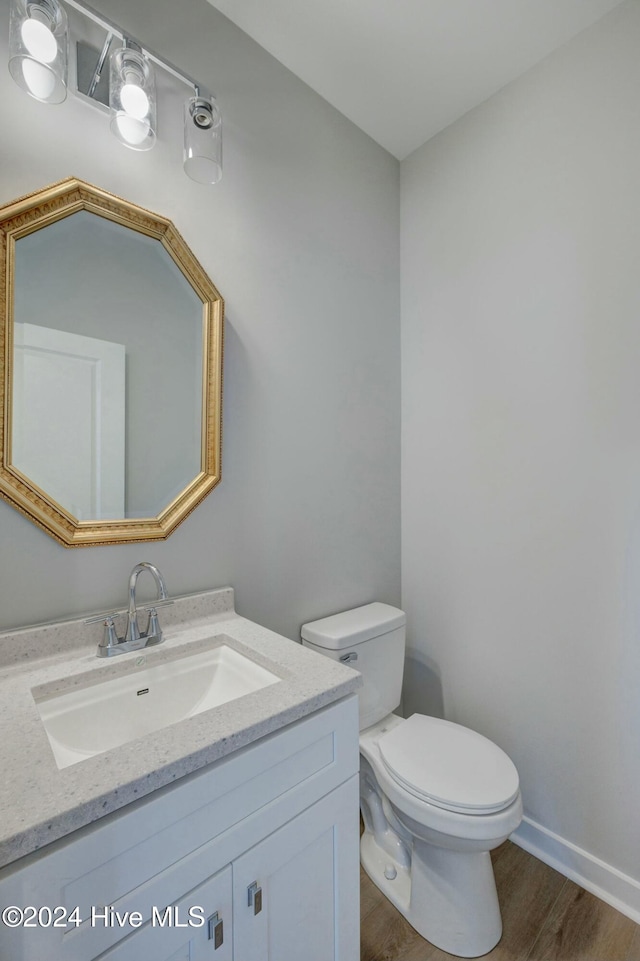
x=449, y=766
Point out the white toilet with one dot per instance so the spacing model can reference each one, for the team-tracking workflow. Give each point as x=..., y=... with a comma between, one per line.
x=435, y=797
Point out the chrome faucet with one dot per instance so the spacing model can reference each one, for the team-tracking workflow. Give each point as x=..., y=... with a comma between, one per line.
x=133, y=639
x=153, y=630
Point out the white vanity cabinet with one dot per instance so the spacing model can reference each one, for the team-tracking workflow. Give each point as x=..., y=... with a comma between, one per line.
x=254, y=858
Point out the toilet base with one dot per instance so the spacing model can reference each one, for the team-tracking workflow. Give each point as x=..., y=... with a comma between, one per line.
x=375, y=861
x=449, y=897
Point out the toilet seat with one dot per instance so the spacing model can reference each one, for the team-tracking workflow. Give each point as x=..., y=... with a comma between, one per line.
x=449, y=766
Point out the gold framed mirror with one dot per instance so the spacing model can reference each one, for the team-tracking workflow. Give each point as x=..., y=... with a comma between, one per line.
x=111, y=338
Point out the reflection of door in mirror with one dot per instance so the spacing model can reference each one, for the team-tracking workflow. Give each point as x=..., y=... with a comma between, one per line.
x=68, y=430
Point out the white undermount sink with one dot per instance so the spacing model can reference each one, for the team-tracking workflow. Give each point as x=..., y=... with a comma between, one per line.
x=96, y=718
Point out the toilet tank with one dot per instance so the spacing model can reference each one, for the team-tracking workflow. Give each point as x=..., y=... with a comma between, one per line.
x=375, y=634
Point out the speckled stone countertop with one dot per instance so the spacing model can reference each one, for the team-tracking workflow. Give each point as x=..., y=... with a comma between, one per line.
x=40, y=803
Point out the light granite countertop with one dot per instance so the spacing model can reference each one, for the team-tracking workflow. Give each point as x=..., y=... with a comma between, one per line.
x=40, y=803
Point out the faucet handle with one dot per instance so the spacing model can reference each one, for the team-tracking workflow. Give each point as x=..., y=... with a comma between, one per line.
x=103, y=617
x=151, y=607
x=109, y=639
x=153, y=632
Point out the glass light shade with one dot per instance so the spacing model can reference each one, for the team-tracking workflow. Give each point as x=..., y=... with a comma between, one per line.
x=132, y=99
x=39, y=48
x=202, y=140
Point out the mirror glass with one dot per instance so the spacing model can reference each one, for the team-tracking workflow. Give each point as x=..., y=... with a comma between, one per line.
x=112, y=343
x=107, y=355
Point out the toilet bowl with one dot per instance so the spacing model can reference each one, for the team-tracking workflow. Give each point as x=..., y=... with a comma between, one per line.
x=435, y=797
x=429, y=853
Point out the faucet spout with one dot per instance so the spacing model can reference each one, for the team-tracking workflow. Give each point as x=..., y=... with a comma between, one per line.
x=133, y=631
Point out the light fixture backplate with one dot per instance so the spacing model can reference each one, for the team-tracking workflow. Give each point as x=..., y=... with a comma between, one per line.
x=86, y=61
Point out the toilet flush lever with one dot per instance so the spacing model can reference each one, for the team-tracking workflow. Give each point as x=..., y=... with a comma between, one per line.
x=348, y=658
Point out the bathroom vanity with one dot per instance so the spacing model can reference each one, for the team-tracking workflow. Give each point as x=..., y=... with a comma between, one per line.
x=229, y=834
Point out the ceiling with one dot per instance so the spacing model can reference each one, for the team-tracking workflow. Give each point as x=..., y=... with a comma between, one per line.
x=402, y=70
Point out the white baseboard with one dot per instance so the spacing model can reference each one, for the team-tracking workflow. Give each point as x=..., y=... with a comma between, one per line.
x=607, y=883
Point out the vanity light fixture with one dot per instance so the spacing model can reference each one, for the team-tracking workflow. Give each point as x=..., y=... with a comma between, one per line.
x=119, y=77
x=38, y=48
x=132, y=97
x=202, y=139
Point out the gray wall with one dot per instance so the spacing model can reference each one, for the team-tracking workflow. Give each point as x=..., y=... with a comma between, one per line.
x=521, y=441
x=301, y=239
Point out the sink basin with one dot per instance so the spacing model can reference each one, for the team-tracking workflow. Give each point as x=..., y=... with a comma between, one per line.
x=93, y=719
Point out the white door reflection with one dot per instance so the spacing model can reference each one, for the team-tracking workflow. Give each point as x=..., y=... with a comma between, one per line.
x=68, y=430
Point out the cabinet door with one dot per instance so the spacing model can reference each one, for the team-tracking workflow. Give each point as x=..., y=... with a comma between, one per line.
x=296, y=894
x=197, y=928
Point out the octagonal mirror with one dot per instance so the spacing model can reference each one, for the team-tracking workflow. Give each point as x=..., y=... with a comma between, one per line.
x=111, y=378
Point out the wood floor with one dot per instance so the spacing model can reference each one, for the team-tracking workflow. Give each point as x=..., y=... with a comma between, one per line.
x=545, y=918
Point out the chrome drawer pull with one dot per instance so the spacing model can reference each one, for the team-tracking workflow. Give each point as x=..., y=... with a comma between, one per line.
x=216, y=932
x=254, y=897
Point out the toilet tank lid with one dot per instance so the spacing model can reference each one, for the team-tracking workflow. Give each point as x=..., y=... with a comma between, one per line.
x=353, y=627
